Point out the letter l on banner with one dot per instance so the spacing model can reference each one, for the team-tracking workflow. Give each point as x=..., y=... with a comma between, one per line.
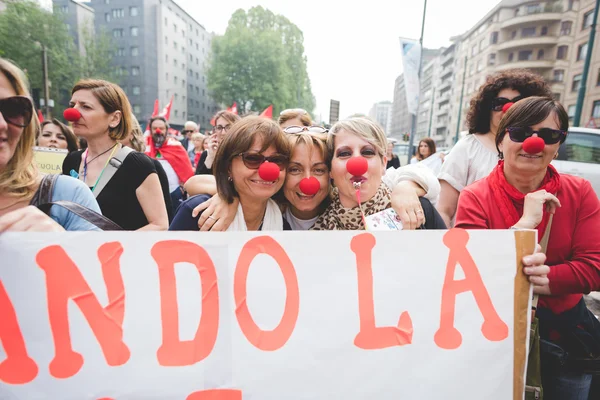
x=411, y=54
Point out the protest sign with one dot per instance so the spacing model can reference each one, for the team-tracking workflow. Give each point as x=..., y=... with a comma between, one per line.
x=251, y=315
x=49, y=160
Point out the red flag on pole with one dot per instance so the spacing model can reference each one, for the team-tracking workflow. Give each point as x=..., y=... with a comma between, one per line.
x=233, y=108
x=268, y=112
x=40, y=116
x=155, y=111
x=166, y=112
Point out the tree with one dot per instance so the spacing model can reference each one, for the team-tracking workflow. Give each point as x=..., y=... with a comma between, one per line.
x=260, y=61
x=25, y=27
x=97, y=60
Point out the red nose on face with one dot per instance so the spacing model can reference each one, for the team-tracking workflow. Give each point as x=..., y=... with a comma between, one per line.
x=72, y=114
x=357, y=166
x=268, y=171
x=310, y=186
x=533, y=145
x=158, y=131
x=506, y=107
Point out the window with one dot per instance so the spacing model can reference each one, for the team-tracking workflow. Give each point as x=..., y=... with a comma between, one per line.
x=64, y=9
x=191, y=42
x=598, y=78
x=176, y=112
x=136, y=90
x=533, y=8
x=556, y=96
x=473, y=50
x=481, y=44
x=175, y=80
x=571, y=113
x=133, y=11
x=176, y=97
x=596, y=109
x=576, y=83
x=197, y=61
x=197, y=76
x=561, y=52
x=134, y=31
x=120, y=52
x=544, y=31
x=565, y=28
x=528, y=32
x=191, y=57
x=117, y=32
x=587, y=19
x=137, y=109
x=582, y=52
x=513, y=34
x=197, y=47
x=175, y=28
x=166, y=40
x=183, y=83
x=175, y=45
x=135, y=51
x=559, y=75
x=166, y=22
x=510, y=57
x=167, y=76
x=118, y=13
x=107, y=17
x=479, y=66
x=525, y=55
x=135, y=71
x=570, y=6
x=494, y=38
x=581, y=147
x=540, y=54
x=166, y=58
x=203, y=93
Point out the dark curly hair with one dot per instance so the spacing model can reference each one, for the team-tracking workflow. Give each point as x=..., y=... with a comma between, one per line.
x=525, y=82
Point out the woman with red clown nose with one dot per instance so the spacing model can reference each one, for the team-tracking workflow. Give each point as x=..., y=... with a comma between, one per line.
x=250, y=167
x=525, y=191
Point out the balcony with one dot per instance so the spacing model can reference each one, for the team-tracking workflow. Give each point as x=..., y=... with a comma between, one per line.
x=447, y=59
x=528, y=64
x=446, y=72
x=444, y=98
x=445, y=86
x=534, y=41
x=528, y=19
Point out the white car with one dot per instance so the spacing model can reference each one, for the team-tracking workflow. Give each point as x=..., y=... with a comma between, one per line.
x=580, y=155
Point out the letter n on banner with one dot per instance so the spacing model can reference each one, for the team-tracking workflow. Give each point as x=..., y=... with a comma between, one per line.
x=493, y=328
x=63, y=282
x=370, y=336
x=173, y=351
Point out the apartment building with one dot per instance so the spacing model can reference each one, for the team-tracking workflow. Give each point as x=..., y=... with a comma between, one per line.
x=429, y=91
x=80, y=21
x=401, y=119
x=161, y=52
x=382, y=113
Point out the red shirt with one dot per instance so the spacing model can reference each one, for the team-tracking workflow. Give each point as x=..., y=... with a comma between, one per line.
x=574, y=246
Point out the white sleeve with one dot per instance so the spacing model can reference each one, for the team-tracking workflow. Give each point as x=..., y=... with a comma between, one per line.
x=455, y=168
x=419, y=174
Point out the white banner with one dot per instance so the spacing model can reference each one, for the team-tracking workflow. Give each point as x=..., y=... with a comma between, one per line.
x=411, y=56
x=291, y=315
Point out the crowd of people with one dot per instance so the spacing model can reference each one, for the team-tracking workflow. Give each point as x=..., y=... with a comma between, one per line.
x=252, y=173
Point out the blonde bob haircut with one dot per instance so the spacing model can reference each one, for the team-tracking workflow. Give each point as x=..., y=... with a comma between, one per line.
x=313, y=141
x=136, y=138
x=302, y=115
x=362, y=127
x=112, y=98
x=19, y=178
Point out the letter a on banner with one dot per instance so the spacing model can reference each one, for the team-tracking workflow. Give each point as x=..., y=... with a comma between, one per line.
x=493, y=328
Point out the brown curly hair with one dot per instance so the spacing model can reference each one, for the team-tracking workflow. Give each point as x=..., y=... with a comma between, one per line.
x=525, y=82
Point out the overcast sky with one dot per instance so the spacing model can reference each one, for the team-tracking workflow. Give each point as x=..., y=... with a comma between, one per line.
x=353, y=50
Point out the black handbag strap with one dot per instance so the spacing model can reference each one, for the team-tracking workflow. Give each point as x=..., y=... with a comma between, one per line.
x=90, y=216
x=44, y=193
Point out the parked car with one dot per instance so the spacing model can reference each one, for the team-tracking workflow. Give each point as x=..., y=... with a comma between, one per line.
x=580, y=155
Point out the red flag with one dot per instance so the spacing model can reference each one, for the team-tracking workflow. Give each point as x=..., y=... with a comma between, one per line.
x=213, y=122
x=166, y=112
x=40, y=116
x=233, y=108
x=155, y=112
x=268, y=112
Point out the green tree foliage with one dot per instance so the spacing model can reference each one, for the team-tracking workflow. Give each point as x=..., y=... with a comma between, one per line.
x=25, y=27
x=260, y=61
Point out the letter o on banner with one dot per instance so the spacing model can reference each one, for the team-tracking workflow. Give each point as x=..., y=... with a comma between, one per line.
x=275, y=339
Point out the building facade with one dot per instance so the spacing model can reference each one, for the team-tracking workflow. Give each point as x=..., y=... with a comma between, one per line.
x=161, y=53
x=429, y=91
x=401, y=119
x=80, y=21
x=382, y=113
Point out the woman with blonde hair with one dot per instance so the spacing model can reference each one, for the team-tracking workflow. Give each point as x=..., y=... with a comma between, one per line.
x=124, y=181
x=294, y=117
x=19, y=178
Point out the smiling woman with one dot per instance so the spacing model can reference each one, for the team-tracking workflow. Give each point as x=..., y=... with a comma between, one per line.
x=250, y=167
x=55, y=134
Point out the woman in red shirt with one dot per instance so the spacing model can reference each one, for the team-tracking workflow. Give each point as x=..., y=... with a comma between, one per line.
x=522, y=192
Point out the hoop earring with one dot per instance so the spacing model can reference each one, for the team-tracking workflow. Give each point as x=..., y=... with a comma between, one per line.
x=500, y=155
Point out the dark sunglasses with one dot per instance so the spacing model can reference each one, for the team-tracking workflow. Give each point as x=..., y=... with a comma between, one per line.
x=254, y=160
x=518, y=134
x=188, y=131
x=17, y=110
x=499, y=102
x=294, y=129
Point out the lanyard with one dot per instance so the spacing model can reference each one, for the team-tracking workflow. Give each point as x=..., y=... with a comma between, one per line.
x=103, y=168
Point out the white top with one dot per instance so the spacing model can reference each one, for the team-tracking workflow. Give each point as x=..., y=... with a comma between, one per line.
x=417, y=173
x=298, y=224
x=468, y=161
x=171, y=175
x=190, y=145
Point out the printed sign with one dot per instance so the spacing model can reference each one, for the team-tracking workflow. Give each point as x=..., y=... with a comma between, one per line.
x=249, y=315
x=49, y=160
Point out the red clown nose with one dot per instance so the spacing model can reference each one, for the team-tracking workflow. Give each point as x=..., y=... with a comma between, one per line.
x=158, y=131
x=72, y=114
x=310, y=186
x=357, y=166
x=506, y=107
x=533, y=145
x=268, y=171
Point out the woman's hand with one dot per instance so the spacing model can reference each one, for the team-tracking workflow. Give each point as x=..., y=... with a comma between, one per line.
x=533, y=208
x=28, y=219
x=537, y=272
x=211, y=150
x=217, y=215
x=405, y=201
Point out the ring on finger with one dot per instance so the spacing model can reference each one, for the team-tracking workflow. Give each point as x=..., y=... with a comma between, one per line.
x=419, y=211
x=211, y=217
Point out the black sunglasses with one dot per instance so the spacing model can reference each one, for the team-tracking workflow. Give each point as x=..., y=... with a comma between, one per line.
x=187, y=131
x=17, y=110
x=254, y=160
x=499, y=102
x=518, y=134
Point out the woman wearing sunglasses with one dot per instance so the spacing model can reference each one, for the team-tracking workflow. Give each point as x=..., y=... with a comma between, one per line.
x=474, y=156
x=294, y=117
x=224, y=120
x=525, y=191
x=19, y=178
x=242, y=173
